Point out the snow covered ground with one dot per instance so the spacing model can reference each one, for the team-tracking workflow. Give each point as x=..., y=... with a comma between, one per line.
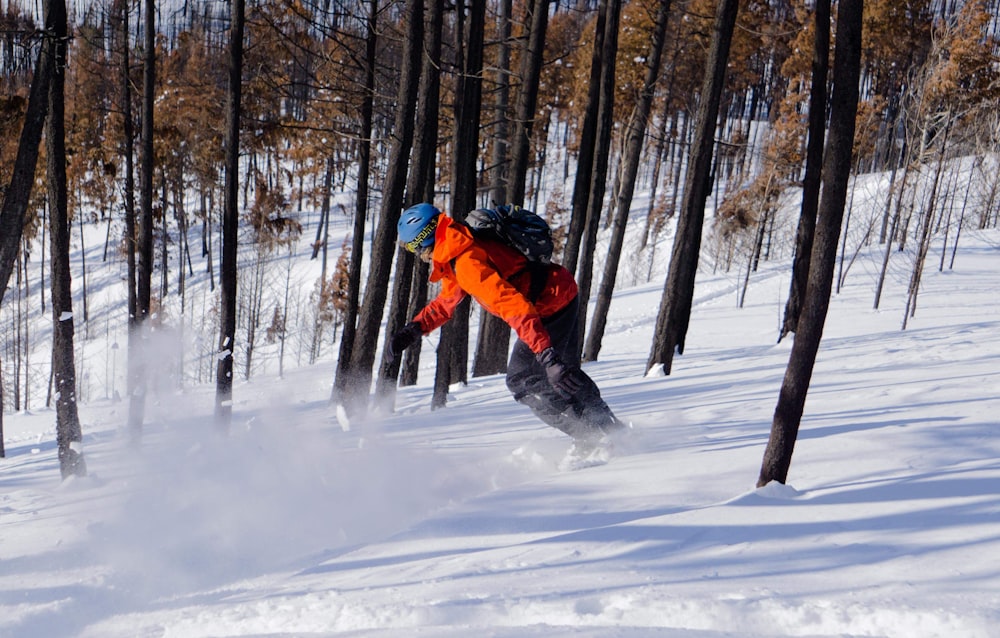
x=457, y=522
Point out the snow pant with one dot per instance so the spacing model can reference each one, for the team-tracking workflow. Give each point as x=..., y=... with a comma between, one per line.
x=584, y=415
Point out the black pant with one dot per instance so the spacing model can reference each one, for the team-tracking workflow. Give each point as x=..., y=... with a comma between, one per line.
x=585, y=414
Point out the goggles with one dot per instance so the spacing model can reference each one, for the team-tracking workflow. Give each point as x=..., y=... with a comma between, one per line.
x=414, y=245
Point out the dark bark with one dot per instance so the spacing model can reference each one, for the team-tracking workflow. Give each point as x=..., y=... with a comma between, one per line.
x=230, y=222
x=602, y=153
x=494, y=338
x=836, y=174
x=420, y=186
x=527, y=100
x=144, y=232
x=68, y=432
x=359, y=376
x=18, y=192
x=678, y=293
x=630, y=170
x=493, y=341
x=588, y=137
x=360, y=211
x=814, y=161
x=453, y=351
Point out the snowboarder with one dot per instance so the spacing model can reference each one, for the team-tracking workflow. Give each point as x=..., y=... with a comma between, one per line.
x=544, y=368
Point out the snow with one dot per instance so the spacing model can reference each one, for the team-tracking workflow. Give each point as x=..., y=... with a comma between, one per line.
x=458, y=522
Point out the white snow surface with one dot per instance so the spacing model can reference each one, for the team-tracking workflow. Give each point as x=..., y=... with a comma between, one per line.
x=457, y=522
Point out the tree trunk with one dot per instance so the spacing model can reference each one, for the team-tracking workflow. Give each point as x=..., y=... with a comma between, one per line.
x=18, y=192
x=453, y=354
x=68, y=433
x=588, y=137
x=144, y=242
x=527, y=100
x=420, y=187
x=925, y=233
x=360, y=211
x=358, y=381
x=493, y=341
x=230, y=223
x=836, y=174
x=814, y=161
x=602, y=153
x=630, y=169
x=129, y=193
x=678, y=293
x=494, y=335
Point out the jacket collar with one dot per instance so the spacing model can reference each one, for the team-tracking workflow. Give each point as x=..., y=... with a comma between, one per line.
x=450, y=240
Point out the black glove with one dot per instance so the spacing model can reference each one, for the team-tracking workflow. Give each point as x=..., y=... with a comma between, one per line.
x=567, y=380
x=404, y=338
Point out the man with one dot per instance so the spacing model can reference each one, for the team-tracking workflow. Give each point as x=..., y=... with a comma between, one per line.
x=544, y=371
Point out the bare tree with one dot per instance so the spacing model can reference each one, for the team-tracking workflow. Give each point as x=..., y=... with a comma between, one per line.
x=359, y=373
x=230, y=222
x=493, y=341
x=453, y=349
x=494, y=333
x=18, y=192
x=144, y=242
x=409, y=277
x=527, y=99
x=814, y=161
x=68, y=432
x=602, y=153
x=633, y=152
x=678, y=293
x=588, y=137
x=836, y=174
x=360, y=211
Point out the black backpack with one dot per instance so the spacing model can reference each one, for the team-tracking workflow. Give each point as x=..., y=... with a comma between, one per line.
x=516, y=227
x=522, y=230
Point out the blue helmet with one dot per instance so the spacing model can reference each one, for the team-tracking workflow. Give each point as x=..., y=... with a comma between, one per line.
x=416, y=227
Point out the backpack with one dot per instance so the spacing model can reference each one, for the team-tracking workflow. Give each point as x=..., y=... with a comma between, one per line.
x=522, y=230
x=516, y=227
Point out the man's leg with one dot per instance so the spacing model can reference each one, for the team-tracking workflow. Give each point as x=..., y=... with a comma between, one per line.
x=527, y=382
x=585, y=415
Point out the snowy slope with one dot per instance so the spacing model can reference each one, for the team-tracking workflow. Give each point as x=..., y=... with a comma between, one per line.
x=457, y=523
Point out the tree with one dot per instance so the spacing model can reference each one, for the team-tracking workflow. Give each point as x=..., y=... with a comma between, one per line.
x=678, y=293
x=634, y=137
x=527, y=99
x=359, y=374
x=494, y=334
x=602, y=153
x=452, y=360
x=144, y=242
x=419, y=188
x=361, y=208
x=836, y=174
x=814, y=160
x=68, y=431
x=230, y=222
x=587, y=150
x=420, y=182
x=18, y=192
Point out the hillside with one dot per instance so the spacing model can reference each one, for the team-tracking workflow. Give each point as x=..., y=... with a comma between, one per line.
x=457, y=521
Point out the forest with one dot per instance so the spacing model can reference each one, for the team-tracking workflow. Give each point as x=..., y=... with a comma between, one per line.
x=253, y=128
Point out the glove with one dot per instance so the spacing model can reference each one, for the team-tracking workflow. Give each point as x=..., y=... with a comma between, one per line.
x=567, y=380
x=404, y=338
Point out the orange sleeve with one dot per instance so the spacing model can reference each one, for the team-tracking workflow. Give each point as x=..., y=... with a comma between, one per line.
x=441, y=308
x=477, y=276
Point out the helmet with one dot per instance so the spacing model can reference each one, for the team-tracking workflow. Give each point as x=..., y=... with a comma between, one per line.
x=416, y=227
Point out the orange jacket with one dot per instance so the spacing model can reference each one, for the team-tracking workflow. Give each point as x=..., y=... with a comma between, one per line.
x=497, y=277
